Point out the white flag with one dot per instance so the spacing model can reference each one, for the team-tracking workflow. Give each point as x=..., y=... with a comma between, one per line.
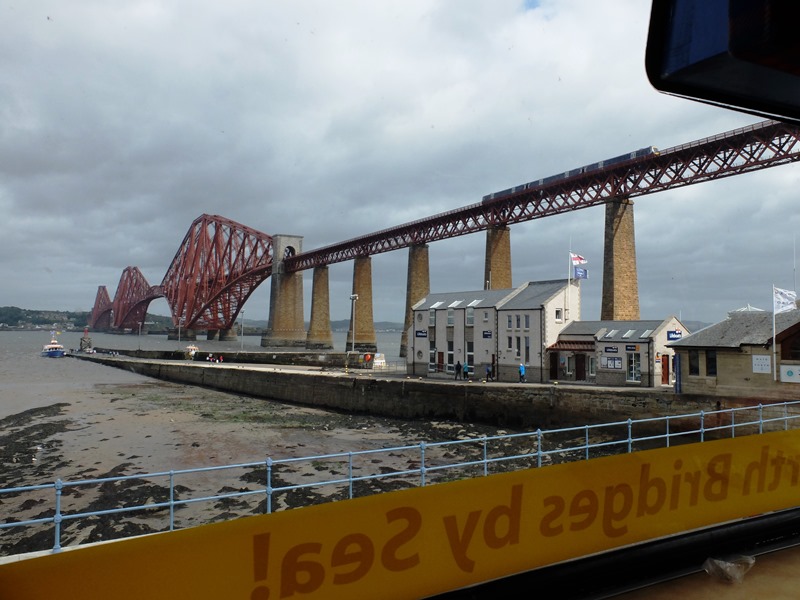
x=577, y=259
x=783, y=300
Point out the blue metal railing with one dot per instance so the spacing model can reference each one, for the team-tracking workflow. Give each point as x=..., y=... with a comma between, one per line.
x=300, y=481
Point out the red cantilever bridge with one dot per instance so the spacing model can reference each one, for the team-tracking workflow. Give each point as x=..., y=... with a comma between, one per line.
x=220, y=262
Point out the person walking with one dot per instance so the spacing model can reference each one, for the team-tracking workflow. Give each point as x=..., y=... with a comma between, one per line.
x=521, y=373
x=458, y=369
x=466, y=371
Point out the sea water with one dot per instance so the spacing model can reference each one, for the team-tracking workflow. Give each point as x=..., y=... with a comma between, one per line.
x=29, y=380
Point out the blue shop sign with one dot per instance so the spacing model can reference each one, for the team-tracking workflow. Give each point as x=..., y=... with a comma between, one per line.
x=421, y=333
x=610, y=349
x=674, y=335
x=487, y=335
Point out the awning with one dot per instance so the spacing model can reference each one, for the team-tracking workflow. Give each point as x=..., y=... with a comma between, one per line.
x=571, y=346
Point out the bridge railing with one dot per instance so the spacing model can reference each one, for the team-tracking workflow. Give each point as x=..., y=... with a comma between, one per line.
x=123, y=505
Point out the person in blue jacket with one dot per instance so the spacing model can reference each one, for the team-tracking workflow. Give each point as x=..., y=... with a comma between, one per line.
x=521, y=373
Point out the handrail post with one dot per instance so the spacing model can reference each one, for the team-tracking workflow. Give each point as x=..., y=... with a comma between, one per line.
x=350, y=470
x=586, y=441
x=630, y=435
x=539, y=447
x=57, y=517
x=484, y=443
x=422, y=463
x=702, y=426
x=760, y=418
x=171, y=500
x=733, y=423
x=269, y=485
x=668, y=432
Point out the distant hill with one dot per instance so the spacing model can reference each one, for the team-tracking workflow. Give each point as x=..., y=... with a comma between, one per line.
x=344, y=325
x=21, y=318
x=12, y=317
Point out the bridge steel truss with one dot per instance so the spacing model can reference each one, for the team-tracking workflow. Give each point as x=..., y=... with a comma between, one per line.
x=102, y=310
x=759, y=146
x=215, y=270
x=133, y=297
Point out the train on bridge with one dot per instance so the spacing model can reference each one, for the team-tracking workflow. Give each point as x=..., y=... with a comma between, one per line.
x=597, y=166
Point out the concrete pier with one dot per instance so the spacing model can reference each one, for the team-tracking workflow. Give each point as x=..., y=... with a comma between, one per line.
x=286, y=326
x=188, y=335
x=620, y=280
x=361, y=309
x=497, y=264
x=418, y=285
x=320, y=335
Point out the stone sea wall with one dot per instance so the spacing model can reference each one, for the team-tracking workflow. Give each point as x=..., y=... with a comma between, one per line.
x=527, y=406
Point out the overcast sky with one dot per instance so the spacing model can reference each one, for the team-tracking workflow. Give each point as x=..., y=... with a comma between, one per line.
x=121, y=122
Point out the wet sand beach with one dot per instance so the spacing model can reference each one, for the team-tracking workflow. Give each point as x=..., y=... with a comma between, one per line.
x=76, y=420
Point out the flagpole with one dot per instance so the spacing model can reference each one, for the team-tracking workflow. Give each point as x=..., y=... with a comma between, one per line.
x=569, y=282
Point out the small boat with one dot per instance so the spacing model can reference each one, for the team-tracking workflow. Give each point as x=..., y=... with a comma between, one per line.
x=53, y=349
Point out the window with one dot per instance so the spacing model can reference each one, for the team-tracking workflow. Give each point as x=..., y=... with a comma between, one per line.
x=694, y=362
x=470, y=316
x=451, y=316
x=559, y=315
x=510, y=342
x=629, y=333
x=612, y=333
x=527, y=321
x=519, y=322
x=634, y=372
x=432, y=358
x=450, y=357
x=471, y=355
x=485, y=316
x=711, y=363
x=519, y=345
x=508, y=321
x=527, y=349
x=432, y=317
x=592, y=366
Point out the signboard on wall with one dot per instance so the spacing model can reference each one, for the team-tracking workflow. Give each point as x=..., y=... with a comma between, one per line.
x=421, y=333
x=611, y=362
x=790, y=373
x=675, y=334
x=487, y=334
x=762, y=363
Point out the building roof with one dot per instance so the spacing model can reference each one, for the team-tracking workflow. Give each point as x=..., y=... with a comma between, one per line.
x=534, y=294
x=613, y=331
x=745, y=328
x=528, y=295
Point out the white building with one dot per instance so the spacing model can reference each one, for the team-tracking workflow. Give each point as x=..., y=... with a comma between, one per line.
x=616, y=353
x=491, y=329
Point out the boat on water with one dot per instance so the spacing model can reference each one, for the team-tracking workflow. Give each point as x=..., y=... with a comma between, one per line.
x=54, y=349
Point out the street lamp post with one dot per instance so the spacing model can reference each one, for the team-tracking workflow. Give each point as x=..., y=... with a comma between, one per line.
x=353, y=298
x=242, y=332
